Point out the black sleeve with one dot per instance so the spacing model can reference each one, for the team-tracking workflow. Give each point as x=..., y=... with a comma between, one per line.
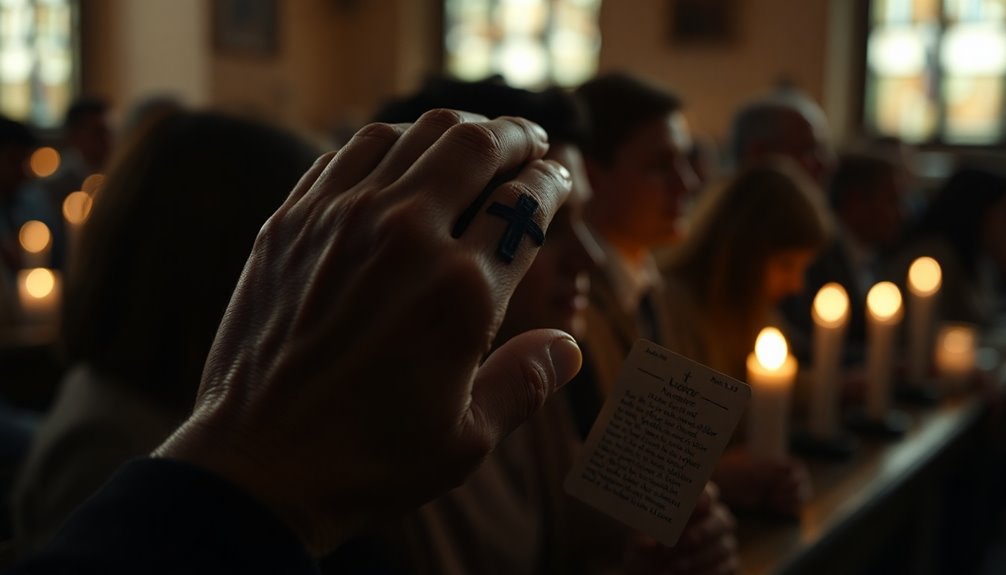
x=160, y=516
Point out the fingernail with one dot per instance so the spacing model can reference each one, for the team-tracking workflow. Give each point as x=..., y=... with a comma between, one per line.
x=564, y=172
x=540, y=132
x=566, y=358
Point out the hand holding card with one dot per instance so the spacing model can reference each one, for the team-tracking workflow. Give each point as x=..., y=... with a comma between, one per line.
x=657, y=440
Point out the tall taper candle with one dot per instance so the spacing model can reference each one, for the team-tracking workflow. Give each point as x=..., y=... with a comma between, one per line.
x=884, y=312
x=831, y=315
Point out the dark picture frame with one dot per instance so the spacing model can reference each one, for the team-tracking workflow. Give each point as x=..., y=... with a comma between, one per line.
x=702, y=21
x=246, y=27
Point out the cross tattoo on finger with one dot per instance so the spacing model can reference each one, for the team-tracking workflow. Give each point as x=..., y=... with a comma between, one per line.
x=519, y=222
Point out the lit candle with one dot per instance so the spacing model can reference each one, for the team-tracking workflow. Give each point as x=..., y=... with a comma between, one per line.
x=39, y=292
x=924, y=279
x=955, y=353
x=771, y=373
x=831, y=315
x=36, y=244
x=76, y=209
x=884, y=311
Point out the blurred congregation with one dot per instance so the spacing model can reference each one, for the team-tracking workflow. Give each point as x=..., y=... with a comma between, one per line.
x=807, y=196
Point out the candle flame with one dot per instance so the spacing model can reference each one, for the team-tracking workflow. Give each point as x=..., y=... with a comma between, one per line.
x=771, y=349
x=77, y=207
x=34, y=236
x=925, y=276
x=831, y=304
x=39, y=283
x=44, y=162
x=884, y=300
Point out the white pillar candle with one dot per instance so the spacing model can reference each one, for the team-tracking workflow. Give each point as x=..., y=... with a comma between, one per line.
x=36, y=244
x=924, y=280
x=955, y=353
x=884, y=312
x=39, y=291
x=771, y=373
x=831, y=315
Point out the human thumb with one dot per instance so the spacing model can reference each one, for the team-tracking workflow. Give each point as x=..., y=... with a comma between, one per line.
x=517, y=379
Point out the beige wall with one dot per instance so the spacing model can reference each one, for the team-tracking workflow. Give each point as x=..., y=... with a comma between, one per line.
x=774, y=39
x=338, y=59
x=136, y=49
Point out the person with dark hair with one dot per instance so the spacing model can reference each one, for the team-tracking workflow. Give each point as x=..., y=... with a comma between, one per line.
x=16, y=145
x=512, y=516
x=332, y=399
x=867, y=198
x=85, y=150
x=157, y=263
x=784, y=123
x=747, y=249
x=637, y=158
x=964, y=229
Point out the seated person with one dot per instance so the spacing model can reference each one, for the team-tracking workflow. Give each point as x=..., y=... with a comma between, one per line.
x=784, y=123
x=964, y=229
x=748, y=246
x=159, y=257
x=867, y=197
x=512, y=516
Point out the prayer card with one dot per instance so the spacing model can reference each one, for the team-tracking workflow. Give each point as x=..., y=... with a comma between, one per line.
x=657, y=440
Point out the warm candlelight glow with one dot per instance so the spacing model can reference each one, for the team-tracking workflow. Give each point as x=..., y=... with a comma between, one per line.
x=884, y=301
x=76, y=207
x=93, y=183
x=40, y=283
x=958, y=340
x=831, y=305
x=44, y=162
x=771, y=349
x=34, y=236
x=925, y=276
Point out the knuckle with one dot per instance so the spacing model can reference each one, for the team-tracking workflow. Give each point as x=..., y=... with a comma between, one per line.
x=441, y=118
x=378, y=131
x=479, y=138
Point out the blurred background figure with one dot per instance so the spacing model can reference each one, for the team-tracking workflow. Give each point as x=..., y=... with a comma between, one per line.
x=785, y=123
x=964, y=229
x=868, y=198
x=164, y=246
x=85, y=150
x=16, y=145
x=637, y=157
x=748, y=248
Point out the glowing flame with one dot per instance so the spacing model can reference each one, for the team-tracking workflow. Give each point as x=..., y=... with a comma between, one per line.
x=44, y=162
x=771, y=349
x=831, y=305
x=925, y=276
x=39, y=283
x=77, y=207
x=884, y=300
x=34, y=236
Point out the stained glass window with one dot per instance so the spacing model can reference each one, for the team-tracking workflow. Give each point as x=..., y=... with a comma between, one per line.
x=936, y=71
x=530, y=43
x=38, y=66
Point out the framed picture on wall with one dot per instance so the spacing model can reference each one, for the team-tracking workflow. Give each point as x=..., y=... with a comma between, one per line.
x=245, y=27
x=702, y=21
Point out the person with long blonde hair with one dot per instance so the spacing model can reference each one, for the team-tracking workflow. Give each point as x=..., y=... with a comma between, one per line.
x=748, y=246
